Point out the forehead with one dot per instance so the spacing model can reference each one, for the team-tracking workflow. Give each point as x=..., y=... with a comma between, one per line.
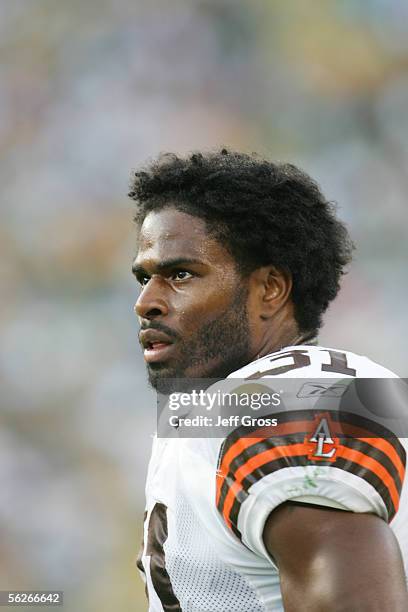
x=172, y=233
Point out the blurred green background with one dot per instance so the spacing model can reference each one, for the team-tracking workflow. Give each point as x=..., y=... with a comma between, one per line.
x=88, y=91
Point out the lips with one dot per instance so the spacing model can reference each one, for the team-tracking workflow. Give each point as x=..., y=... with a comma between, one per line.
x=156, y=345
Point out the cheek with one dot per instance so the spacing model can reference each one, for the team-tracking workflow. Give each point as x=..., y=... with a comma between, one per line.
x=195, y=310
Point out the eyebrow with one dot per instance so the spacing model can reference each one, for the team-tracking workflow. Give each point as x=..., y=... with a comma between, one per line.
x=167, y=264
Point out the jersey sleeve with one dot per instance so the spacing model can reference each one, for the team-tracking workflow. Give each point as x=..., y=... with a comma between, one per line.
x=336, y=459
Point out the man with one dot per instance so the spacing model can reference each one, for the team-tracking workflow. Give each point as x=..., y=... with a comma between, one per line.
x=238, y=258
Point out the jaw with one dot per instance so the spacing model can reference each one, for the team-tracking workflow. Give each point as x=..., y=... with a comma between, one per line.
x=217, y=348
x=185, y=375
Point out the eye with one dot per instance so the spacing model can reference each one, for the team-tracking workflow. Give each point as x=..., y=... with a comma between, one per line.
x=143, y=280
x=181, y=275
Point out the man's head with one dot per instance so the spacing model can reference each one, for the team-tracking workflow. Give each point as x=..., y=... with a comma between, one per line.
x=236, y=255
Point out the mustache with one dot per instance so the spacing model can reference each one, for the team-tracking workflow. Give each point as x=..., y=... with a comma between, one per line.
x=160, y=327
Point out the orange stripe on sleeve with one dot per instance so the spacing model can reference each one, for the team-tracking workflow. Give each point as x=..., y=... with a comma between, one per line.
x=243, y=443
x=294, y=450
x=380, y=443
x=252, y=464
x=373, y=465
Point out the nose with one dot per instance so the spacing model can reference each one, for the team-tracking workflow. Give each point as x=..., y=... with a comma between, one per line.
x=151, y=303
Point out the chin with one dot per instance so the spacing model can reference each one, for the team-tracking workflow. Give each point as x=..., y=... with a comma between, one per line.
x=168, y=380
x=164, y=379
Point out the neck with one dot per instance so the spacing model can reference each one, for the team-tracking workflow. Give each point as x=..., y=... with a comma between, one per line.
x=285, y=334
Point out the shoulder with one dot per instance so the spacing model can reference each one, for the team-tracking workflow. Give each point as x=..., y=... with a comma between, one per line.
x=330, y=446
x=303, y=361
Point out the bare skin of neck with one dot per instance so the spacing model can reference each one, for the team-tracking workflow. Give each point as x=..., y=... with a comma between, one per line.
x=279, y=332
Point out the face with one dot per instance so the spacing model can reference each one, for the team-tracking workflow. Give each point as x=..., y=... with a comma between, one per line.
x=192, y=306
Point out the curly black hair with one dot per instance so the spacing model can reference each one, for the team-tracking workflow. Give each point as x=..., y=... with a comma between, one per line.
x=262, y=212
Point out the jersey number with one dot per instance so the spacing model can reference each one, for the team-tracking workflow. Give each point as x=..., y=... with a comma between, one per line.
x=156, y=537
x=301, y=359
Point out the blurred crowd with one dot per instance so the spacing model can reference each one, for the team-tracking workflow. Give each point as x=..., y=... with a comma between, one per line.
x=89, y=90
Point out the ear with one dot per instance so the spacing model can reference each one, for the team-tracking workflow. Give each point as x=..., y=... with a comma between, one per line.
x=272, y=288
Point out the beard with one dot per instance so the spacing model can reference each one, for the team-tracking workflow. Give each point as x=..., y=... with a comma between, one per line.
x=218, y=348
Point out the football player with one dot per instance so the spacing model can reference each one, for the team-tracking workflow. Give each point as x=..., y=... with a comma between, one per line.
x=238, y=258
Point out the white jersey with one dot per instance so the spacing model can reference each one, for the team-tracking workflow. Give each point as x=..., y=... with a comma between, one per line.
x=208, y=499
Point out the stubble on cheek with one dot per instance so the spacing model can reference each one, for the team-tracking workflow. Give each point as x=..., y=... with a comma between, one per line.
x=221, y=345
x=216, y=349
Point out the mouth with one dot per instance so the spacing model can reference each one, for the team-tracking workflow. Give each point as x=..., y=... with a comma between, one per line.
x=157, y=345
x=157, y=351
